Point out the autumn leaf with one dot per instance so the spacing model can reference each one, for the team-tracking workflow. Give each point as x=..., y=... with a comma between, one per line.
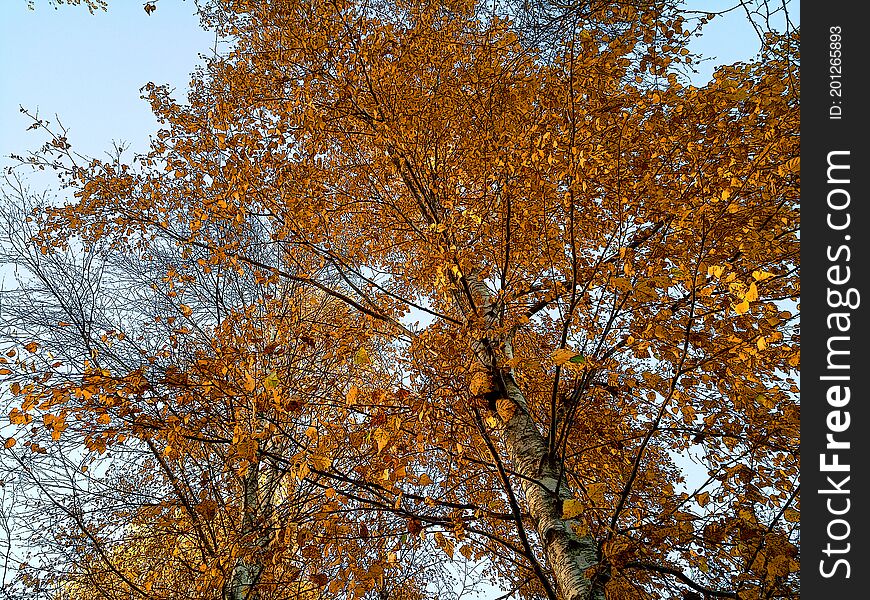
x=481, y=383
x=361, y=357
x=271, y=381
x=382, y=438
x=249, y=382
x=571, y=509
x=505, y=409
x=414, y=526
x=751, y=293
x=716, y=271
x=595, y=492
x=247, y=449
x=352, y=395
x=563, y=355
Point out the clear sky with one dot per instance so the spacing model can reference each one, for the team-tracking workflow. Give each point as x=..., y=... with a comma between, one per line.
x=87, y=69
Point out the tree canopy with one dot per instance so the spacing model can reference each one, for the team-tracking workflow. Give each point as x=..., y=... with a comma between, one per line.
x=410, y=293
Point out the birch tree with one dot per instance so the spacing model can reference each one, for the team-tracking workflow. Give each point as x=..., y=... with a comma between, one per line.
x=563, y=280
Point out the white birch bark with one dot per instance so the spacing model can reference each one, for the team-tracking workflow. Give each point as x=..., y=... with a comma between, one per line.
x=568, y=555
x=242, y=583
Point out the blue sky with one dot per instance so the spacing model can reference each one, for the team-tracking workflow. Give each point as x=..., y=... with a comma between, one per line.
x=87, y=69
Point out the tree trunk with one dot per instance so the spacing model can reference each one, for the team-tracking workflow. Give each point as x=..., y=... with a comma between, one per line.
x=568, y=554
x=242, y=583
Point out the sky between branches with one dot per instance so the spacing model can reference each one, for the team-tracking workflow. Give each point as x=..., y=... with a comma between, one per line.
x=87, y=69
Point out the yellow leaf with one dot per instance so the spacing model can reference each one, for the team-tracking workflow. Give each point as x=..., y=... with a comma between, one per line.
x=481, y=383
x=31, y=347
x=250, y=383
x=247, y=449
x=791, y=515
x=716, y=271
x=621, y=283
x=761, y=343
x=703, y=499
x=10, y=442
x=505, y=409
x=381, y=437
x=751, y=293
x=424, y=479
x=321, y=463
x=595, y=491
x=352, y=395
x=362, y=357
x=271, y=381
x=444, y=544
x=185, y=310
x=580, y=528
x=741, y=308
x=571, y=509
x=761, y=275
x=563, y=355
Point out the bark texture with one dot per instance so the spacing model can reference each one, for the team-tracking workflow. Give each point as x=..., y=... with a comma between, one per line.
x=569, y=555
x=242, y=583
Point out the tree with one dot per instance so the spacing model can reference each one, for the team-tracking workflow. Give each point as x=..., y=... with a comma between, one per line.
x=603, y=257
x=163, y=482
